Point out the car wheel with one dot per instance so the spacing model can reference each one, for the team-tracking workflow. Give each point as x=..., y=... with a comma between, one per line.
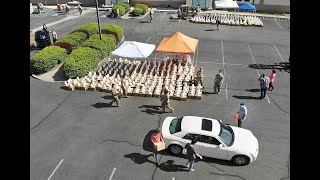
x=175, y=149
x=240, y=160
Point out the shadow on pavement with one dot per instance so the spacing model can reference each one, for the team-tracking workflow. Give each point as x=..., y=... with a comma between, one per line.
x=245, y=97
x=144, y=21
x=282, y=66
x=107, y=97
x=211, y=30
x=152, y=109
x=170, y=167
x=139, y=158
x=102, y=105
x=207, y=93
x=253, y=90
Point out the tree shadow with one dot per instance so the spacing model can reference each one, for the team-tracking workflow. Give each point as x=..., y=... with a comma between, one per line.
x=245, y=97
x=102, y=105
x=170, y=167
x=253, y=90
x=282, y=66
x=139, y=158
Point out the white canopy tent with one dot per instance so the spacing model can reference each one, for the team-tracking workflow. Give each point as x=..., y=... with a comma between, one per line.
x=226, y=4
x=133, y=49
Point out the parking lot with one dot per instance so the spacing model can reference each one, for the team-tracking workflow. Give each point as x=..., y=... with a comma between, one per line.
x=76, y=135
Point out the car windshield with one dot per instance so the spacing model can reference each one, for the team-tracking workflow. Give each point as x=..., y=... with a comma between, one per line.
x=175, y=125
x=226, y=135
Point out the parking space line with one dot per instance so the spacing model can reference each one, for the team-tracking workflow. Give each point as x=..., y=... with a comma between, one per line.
x=114, y=169
x=93, y=16
x=224, y=70
x=163, y=16
x=55, y=169
x=277, y=23
x=278, y=52
x=148, y=39
x=173, y=178
x=257, y=69
x=230, y=64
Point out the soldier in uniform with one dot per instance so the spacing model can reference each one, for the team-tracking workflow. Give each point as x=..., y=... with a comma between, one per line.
x=54, y=36
x=151, y=16
x=124, y=87
x=218, y=81
x=67, y=9
x=200, y=76
x=80, y=9
x=166, y=102
x=114, y=93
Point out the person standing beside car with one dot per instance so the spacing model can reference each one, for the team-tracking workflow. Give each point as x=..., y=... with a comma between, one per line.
x=191, y=154
x=242, y=114
x=156, y=138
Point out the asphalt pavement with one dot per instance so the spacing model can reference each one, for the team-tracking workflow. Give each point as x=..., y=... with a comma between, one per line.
x=77, y=135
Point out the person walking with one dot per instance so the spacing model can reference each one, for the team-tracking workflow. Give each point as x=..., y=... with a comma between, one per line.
x=218, y=23
x=151, y=16
x=156, y=138
x=163, y=88
x=218, y=81
x=124, y=87
x=242, y=114
x=166, y=102
x=191, y=154
x=54, y=36
x=272, y=78
x=114, y=93
x=67, y=9
x=200, y=76
x=80, y=8
x=264, y=83
x=179, y=14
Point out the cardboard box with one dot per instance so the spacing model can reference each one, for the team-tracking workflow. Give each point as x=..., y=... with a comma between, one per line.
x=190, y=97
x=183, y=98
x=159, y=146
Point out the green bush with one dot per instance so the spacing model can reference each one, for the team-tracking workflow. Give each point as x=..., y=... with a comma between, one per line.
x=125, y=5
x=116, y=29
x=81, y=61
x=47, y=58
x=91, y=28
x=144, y=8
x=75, y=39
x=137, y=11
x=122, y=10
x=105, y=46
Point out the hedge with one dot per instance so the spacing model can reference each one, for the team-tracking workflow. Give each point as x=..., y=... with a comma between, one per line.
x=144, y=8
x=116, y=29
x=125, y=5
x=75, y=39
x=81, y=61
x=122, y=10
x=91, y=28
x=137, y=11
x=105, y=46
x=64, y=45
x=47, y=58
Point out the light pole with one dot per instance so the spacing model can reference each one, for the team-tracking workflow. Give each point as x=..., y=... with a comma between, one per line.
x=98, y=19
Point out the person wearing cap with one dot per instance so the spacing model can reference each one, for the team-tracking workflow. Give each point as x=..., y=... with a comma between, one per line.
x=242, y=114
x=264, y=85
x=200, y=76
x=114, y=93
x=218, y=81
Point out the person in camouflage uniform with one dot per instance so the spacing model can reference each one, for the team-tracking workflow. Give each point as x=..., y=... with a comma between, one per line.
x=166, y=102
x=218, y=81
x=200, y=76
x=114, y=93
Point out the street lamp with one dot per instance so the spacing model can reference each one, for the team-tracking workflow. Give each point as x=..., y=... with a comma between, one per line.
x=98, y=19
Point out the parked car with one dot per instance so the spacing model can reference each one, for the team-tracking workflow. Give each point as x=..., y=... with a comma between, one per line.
x=215, y=140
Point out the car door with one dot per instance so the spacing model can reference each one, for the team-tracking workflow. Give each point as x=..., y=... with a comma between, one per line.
x=210, y=148
x=198, y=146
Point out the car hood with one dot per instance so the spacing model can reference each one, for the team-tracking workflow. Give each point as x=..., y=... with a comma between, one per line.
x=245, y=140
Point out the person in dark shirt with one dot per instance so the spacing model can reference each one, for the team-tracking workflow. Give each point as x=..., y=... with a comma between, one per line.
x=191, y=154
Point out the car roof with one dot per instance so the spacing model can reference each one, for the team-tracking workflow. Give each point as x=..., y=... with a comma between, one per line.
x=193, y=124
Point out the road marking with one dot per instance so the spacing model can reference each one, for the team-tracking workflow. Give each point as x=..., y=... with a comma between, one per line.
x=114, y=169
x=230, y=64
x=93, y=16
x=257, y=69
x=163, y=16
x=278, y=23
x=56, y=22
x=278, y=53
x=173, y=178
x=55, y=169
x=148, y=39
x=224, y=70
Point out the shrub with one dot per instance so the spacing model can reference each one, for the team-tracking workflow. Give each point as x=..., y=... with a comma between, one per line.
x=108, y=39
x=47, y=58
x=122, y=10
x=75, y=39
x=64, y=45
x=137, y=11
x=125, y=5
x=116, y=29
x=91, y=28
x=83, y=31
x=144, y=8
x=81, y=61
x=105, y=46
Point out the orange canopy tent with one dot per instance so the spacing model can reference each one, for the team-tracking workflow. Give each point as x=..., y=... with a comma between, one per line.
x=178, y=44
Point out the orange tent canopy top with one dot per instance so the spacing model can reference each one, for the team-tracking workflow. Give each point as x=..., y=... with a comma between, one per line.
x=178, y=44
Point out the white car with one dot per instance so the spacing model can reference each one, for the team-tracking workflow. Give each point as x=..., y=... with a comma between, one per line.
x=215, y=140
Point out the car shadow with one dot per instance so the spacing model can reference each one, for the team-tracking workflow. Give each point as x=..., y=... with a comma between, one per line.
x=102, y=105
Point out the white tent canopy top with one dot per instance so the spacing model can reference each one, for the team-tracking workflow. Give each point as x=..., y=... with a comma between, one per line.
x=133, y=49
x=226, y=4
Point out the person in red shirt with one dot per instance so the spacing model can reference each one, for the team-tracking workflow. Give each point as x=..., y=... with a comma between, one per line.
x=155, y=138
x=272, y=78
